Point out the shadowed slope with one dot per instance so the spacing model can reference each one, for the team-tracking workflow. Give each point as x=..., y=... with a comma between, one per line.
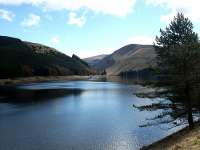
x=21, y=59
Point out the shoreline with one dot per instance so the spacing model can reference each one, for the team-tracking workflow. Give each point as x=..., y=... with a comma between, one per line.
x=180, y=140
x=35, y=79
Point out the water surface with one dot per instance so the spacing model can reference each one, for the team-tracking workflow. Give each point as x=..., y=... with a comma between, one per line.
x=99, y=116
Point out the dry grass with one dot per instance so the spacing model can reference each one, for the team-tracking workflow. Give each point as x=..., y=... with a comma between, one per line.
x=183, y=140
x=190, y=142
x=40, y=79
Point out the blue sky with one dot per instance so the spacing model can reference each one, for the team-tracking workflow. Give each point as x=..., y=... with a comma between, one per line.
x=91, y=27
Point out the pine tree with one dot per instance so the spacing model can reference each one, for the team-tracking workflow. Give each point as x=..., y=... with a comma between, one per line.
x=178, y=60
x=178, y=66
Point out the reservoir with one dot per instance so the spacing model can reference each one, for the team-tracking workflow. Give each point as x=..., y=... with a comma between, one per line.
x=89, y=116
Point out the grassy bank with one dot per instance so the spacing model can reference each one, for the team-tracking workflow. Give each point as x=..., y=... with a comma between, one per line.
x=182, y=140
x=14, y=81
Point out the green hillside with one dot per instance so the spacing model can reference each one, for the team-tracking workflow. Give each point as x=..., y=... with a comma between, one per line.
x=21, y=59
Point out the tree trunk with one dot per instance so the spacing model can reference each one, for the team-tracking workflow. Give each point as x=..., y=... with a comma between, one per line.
x=190, y=118
x=189, y=107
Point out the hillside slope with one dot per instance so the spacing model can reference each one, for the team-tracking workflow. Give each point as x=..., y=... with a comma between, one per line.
x=21, y=59
x=129, y=58
x=93, y=61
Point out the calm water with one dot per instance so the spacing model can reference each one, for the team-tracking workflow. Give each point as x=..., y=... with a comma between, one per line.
x=98, y=116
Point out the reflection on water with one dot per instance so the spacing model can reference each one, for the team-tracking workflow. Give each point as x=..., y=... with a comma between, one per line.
x=22, y=95
x=79, y=115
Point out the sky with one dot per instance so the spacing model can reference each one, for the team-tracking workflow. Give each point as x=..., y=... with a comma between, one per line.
x=91, y=27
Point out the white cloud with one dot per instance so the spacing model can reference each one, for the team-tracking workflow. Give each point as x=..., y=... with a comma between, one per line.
x=141, y=40
x=75, y=20
x=111, y=7
x=31, y=20
x=189, y=7
x=55, y=40
x=6, y=15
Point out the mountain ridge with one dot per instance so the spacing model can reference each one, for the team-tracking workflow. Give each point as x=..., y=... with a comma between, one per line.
x=92, y=61
x=132, y=57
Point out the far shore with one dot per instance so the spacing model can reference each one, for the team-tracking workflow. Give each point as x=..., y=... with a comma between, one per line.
x=23, y=80
x=185, y=139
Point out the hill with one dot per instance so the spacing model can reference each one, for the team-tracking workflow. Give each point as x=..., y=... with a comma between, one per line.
x=130, y=58
x=93, y=61
x=22, y=59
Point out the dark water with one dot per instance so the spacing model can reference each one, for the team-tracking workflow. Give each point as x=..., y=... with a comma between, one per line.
x=89, y=116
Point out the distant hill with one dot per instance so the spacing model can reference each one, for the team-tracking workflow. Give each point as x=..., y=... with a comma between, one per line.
x=130, y=58
x=93, y=61
x=21, y=59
